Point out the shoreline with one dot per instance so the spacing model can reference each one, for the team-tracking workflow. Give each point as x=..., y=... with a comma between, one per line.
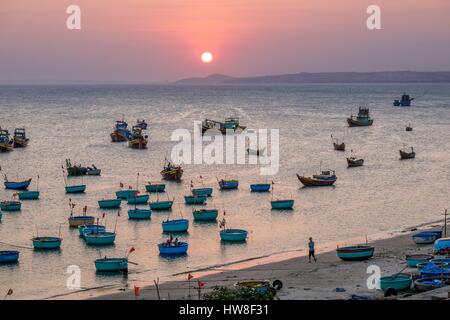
x=288, y=266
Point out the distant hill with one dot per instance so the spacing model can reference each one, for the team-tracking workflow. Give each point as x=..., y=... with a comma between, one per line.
x=325, y=77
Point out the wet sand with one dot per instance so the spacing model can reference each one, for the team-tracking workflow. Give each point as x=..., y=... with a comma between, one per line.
x=328, y=278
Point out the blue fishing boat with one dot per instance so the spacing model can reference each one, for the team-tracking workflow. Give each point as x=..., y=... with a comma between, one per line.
x=76, y=189
x=427, y=284
x=202, y=192
x=195, y=199
x=441, y=260
x=355, y=253
x=125, y=194
x=9, y=256
x=413, y=260
x=260, y=187
x=228, y=184
x=177, y=225
x=161, y=205
x=6, y=143
x=103, y=238
x=10, y=205
x=361, y=120
x=29, y=195
x=90, y=228
x=141, y=124
x=433, y=270
x=109, y=203
x=405, y=101
x=173, y=249
x=138, y=199
x=442, y=246
x=205, y=214
x=236, y=235
x=47, y=242
x=399, y=282
x=282, y=204
x=111, y=264
x=21, y=185
x=426, y=237
x=139, y=214
x=155, y=187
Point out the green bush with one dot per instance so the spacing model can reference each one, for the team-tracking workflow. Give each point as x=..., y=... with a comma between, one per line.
x=224, y=293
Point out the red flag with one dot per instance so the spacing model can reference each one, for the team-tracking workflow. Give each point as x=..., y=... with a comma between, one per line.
x=85, y=209
x=103, y=215
x=132, y=249
x=190, y=276
x=200, y=284
x=121, y=185
x=223, y=212
x=73, y=205
x=137, y=291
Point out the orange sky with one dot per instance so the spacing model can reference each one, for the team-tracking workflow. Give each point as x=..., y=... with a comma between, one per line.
x=159, y=40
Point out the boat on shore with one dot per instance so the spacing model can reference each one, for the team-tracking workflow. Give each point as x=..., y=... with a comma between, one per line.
x=442, y=246
x=16, y=185
x=361, y=120
x=405, y=154
x=398, y=282
x=231, y=125
x=20, y=139
x=6, y=143
x=171, y=172
x=428, y=284
x=405, y=101
x=412, y=260
x=426, y=237
x=355, y=253
x=326, y=178
x=9, y=256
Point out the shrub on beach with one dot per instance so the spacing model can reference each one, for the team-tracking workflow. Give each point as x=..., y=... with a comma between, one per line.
x=224, y=293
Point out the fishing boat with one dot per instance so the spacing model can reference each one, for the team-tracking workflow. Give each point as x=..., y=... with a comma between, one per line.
x=138, y=140
x=409, y=128
x=121, y=133
x=405, y=101
x=282, y=204
x=141, y=124
x=205, y=214
x=139, y=214
x=207, y=192
x=179, y=248
x=355, y=253
x=93, y=171
x=398, y=282
x=326, y=178
x=260, y=187
x=255, y=152
x=118, y=136
x=427, y=284
x=124, y=194
x=90, y=229
x=138, y=199
x=104, y=238
x=76, y=221
x=155, y=187
x=20, y=139
x=426, y=237
x=434, y=270
x=11, y=205
x=109, y=203
x=228, y=184
x=404, y=154
x=177, y=225
x=195, y=199
x=161, y=205
x=74, y=170
x=9, y=256
x=336, y=145
x=354, y=162
x=233, y=235
x=29, y=195
x=111, y=264
x=361, y=120
x=76, y=188
x=231, y=125
x=171, y=172
x=412, y=260
x=16, y=185
x=442, y=246
x=6, y=144
x=47, y=243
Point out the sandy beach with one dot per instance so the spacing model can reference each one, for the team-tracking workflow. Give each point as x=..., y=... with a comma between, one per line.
x=328, y=278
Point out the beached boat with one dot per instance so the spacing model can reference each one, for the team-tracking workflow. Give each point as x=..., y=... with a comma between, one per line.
x=260, y=187
x=427, y=284
x=354, y=162
x=138, y=140
x=336, y=145
x=111, y=264
x=355, y=253
x=17, y=185
x=9, y=256
x=47, y=243
x=138, y=199
x=6, y=144
x=205, y=214
x=109, y=203
x=426, y=237
x=20, y=139
x=326, y=178
x=104, y=238
x=361, y=120
x=179, y=248
x=282, y=204
x=228, y=184
x=90, y=229
x=231, y=125
x=202, y=191
x=124, y=194
x=171, y=172
x=76, y=188
x=405, y=101
x=11, y=205
x=155, y=187
x=29, y=195
x=139, y=214
x=141, y=124
x=434, y=270
x=404, y=154
x=177, y=225
x=442, y=246
x=398, y=282
x=233, y=235
x=412, y=260
x=195, y=199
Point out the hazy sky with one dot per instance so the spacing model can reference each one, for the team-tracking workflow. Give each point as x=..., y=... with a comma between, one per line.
x=160, y=40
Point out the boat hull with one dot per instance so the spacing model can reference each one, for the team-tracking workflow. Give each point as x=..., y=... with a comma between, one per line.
x=111, y=264
x=23, y=185
x=203, y=192
x=355, y=253
x=173, y=174
x=413, y=260
x=125, y=194
x=180, y=249
x=46, y=243
x=442, y=246
x=233, y=235
x=407, y=155
x=228, y=185
x=282, y=204
x=6, y=147
x=141, y=199
x=155, y=188
x=9, y=256
x=354, y=163
x=90, y=228
x=139, y=214
x=75, y=222
x=205, y=214
x=399, y=282
x=311, y=182
x=261, y=187
x=196, y=200
x=138, y=144
x=359, y=123
x=76, y=189
x=161, y=205
x=180, y=225
x=10, y=206
x=99, y=239
x=426, y=237
x=29, y=195
x=109, y=204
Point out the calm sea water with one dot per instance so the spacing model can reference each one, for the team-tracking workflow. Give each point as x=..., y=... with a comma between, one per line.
x=75, y=122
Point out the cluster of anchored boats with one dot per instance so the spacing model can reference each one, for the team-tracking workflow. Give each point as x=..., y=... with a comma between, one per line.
x=19, y=140
x=136, y=137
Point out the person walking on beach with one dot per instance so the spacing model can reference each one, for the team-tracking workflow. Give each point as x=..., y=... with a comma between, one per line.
x=311, y=250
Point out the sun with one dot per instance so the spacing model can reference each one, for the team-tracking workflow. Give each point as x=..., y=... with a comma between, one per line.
x=207, y=57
